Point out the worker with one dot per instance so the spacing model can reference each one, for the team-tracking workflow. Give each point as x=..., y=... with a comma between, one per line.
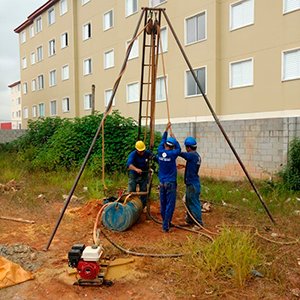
x=168, y=151
x=138, y=166
x=192, y=181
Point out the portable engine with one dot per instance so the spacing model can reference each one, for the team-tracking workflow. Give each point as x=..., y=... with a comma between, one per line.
x=87, y=262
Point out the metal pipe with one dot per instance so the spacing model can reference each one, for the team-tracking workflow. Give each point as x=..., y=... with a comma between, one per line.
x=217, y=120
x=95, y=137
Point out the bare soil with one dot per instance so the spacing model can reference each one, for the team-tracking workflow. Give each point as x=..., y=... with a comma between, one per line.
x=146, y=277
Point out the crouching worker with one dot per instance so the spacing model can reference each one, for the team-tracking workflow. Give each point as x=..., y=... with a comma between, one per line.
x=168, y=151
x=138, y=166
x=192, y=181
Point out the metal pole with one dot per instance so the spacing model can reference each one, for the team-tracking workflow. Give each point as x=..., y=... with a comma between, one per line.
x=94, y=139
x=217, y=120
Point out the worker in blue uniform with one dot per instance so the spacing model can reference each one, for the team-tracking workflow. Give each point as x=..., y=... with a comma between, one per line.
x=192, y=181
x=138, y=166
x=168, y=151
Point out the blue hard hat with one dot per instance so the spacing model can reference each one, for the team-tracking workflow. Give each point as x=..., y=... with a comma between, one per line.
x=171, y=141
x=190, y=141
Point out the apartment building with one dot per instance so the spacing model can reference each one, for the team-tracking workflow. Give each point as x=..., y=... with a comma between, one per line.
x=246, y=55
x=15, y=98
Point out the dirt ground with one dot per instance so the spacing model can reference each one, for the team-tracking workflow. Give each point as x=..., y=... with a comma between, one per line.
x=142, y=279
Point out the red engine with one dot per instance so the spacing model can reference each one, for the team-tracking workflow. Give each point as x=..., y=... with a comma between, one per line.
x=88, y=269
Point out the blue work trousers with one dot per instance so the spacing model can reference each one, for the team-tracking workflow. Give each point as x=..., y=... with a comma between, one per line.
x=192, y=200
x=167, y=193
x=140, y=180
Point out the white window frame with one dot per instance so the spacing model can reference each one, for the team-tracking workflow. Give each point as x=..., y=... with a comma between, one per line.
x=31, y=31
x=39, y=53
x=87, y=101
x=163, y=40
x=286, y=10
x=33, y=85
x=198, y=39
x=34, y=111
x=53, y=113
x=196, y=86
x=65, y=104
x=129, y=7
x=234, y=4
x=153, y=4
x=32, y=58
x=107, y=96
x=51, y=45
x=52, y=78
x=23, y=36
x=283, y=65
x=164, y=85
x=40, y=82
x=63, y=7
x=87, y=66
x=65, y=72
x=83, y=2
x=111, y=62
x=251, y=83
x=25, y=112
x=105, y=25
x=51, y=16
x=24, y=62
x=38, y=24
x=25, y=88
x=128, y=92
x=42, y=105
x=86, y=31
x=64, y=40
x=134, y=53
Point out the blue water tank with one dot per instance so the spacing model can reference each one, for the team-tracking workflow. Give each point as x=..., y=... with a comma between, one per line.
x=119, y=217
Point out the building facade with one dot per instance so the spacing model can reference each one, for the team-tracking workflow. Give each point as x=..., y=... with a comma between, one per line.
x=16, y=105
x=246, y=55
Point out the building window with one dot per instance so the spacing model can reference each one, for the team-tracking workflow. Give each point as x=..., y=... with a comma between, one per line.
x=23, y=37
x=107, y=96
x=25, y=113
x=87, y=101
x=241, y=73
x=134, y=49
x=87, y=31
x=108, y=20
x=160, y=89
x=34, y=111
x=51, y=47
x=32, y=58
x=51, y=16
x=156, y=2
x=241, y=14
x=40, y=82
x=52, y=78
x=25, y=90
x=19, y=100
x=290, y=5
x=33, y=85
x=64, y=40
x=39, y=52
x=42, y=110
x=63, y=7
x=65, y=72
x=24, y=63
x=109, y=60
x=65, y=104
x=53, y=110
x=195, y=28
x=132, y=92
x=31, y=31
x=192, y=88
x=84, y=1
x=38, y=25
x=87, y=66
x=163, y=40
x=131, y=7
x=291, y=64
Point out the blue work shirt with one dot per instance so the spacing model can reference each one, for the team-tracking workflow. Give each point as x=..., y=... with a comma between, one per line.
x=193, y=162
x=167, y=161
x=139, y=161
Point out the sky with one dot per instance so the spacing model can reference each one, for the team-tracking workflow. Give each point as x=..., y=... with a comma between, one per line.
x=12, y=14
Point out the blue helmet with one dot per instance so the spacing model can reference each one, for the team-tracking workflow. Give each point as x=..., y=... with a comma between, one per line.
x=190, y=142
x=171, y=141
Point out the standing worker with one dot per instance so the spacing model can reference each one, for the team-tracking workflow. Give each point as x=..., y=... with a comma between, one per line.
x=168, y=151
x=138, y=166
x=192, y=181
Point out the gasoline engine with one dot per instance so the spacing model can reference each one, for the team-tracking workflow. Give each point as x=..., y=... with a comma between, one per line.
x=87, y=262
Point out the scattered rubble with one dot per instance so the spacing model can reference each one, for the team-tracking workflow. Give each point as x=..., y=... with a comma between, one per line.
x=10, y=186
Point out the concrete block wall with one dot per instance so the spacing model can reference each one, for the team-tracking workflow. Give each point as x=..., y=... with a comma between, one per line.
x=262, y=145
x=7, y=136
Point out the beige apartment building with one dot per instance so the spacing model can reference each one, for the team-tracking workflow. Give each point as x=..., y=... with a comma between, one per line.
x=16, y=107
x=246, y=55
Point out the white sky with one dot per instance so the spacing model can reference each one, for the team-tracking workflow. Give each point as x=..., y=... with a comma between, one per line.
x=12, y=14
